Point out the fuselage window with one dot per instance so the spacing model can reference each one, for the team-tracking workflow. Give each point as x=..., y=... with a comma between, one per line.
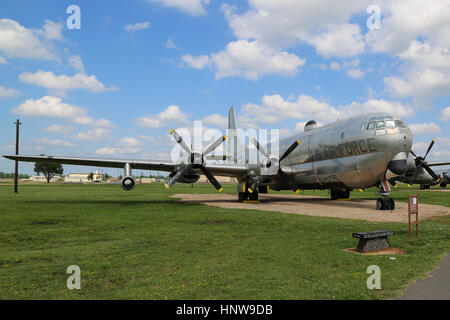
x=380, y=125
x=363, y=126
x=400, y=123
x=371, y=126
x=390, y=124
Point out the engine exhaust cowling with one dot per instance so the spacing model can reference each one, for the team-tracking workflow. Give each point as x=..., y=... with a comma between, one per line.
x=128, y=183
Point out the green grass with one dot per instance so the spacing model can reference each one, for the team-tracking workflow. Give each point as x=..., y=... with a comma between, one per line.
x=145, y=245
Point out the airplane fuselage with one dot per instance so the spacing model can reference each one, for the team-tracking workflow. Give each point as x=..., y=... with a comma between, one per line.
x=353, y=153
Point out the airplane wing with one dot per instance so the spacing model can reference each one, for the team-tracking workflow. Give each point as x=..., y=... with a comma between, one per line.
x=431, y=164
x=232, y=170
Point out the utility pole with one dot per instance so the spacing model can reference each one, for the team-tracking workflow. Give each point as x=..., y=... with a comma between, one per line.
x=16, y=174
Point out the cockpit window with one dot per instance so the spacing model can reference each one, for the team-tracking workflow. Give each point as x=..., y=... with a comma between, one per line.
x=390, y=124
x=388, y=118
x=371, y=126
x=400, y=123
x=380, y=125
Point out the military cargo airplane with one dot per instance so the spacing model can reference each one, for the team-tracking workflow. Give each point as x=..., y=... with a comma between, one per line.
x=354, y=153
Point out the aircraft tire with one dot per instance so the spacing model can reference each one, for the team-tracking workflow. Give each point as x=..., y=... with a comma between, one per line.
x=253, y=196
x=443, y=185
x=390, y=204
x=380, y=204
x=242, y=196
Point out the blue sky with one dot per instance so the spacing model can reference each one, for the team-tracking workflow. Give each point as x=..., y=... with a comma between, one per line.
x=136, y=69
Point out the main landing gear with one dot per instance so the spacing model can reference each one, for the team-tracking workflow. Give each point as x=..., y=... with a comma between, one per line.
x=340, y=194
x=244, y=196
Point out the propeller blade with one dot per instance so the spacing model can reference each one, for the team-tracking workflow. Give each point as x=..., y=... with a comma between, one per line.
x=431, y=172
x=259, y=147
x=180, y=141
x=214, y=145
x=176, y=177
x=289, y=150
x=412, y=152
x=211, y=178
x=429, y=148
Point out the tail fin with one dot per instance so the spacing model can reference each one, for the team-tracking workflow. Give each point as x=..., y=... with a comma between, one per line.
x=234, y=146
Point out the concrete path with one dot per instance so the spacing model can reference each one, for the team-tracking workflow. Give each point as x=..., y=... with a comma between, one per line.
x=435, y=287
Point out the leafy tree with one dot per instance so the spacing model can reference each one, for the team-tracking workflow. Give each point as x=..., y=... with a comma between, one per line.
x=48, y=169
x=90, y=177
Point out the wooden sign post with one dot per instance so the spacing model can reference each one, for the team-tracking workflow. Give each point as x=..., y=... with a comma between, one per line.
x=413, y=209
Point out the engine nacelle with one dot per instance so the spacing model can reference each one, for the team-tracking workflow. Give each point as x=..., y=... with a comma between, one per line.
x=189, y=178
x=128, y=183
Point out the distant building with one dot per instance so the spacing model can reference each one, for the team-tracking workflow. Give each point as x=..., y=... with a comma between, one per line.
x=147, y=180
x=220, y=179
x=84, y=177
x=44, y=179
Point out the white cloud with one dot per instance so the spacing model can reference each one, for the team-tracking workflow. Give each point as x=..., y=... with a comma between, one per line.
x=17, y=41
x=445, y=114
x=406, y=20
x=355, y=73
x=171, y=44
x=170, y=116
x=116, y=151
x=53, y=107
x=339, y=41
x=131, y=142
x=51, y=30
x=275, y=109
x=248, y=59
x=285, y=23
x=137, y=26
x=197, y=62
x=76, y=63
x=96, y=134
x=192, y=7
x=59, y=85
x=8, y=93
x=425, y=128
x=58, y=128
x=378, y=105
x=335, y=66
x=53, y=142
x=216, y=119
x=425, y=76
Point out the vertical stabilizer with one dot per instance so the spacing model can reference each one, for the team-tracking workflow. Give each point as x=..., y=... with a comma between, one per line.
x=233, y=143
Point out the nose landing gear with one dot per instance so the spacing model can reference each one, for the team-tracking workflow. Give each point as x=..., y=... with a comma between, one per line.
x=385, y=202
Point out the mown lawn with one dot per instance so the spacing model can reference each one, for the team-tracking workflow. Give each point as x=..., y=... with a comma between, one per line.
x=145, y=245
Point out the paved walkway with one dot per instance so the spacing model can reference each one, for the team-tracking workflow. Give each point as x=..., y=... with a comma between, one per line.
x=435, y=287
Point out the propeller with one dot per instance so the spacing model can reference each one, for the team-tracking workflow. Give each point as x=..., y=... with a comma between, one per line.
x=421, y=163
x=196, y=161
x=271, y=160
